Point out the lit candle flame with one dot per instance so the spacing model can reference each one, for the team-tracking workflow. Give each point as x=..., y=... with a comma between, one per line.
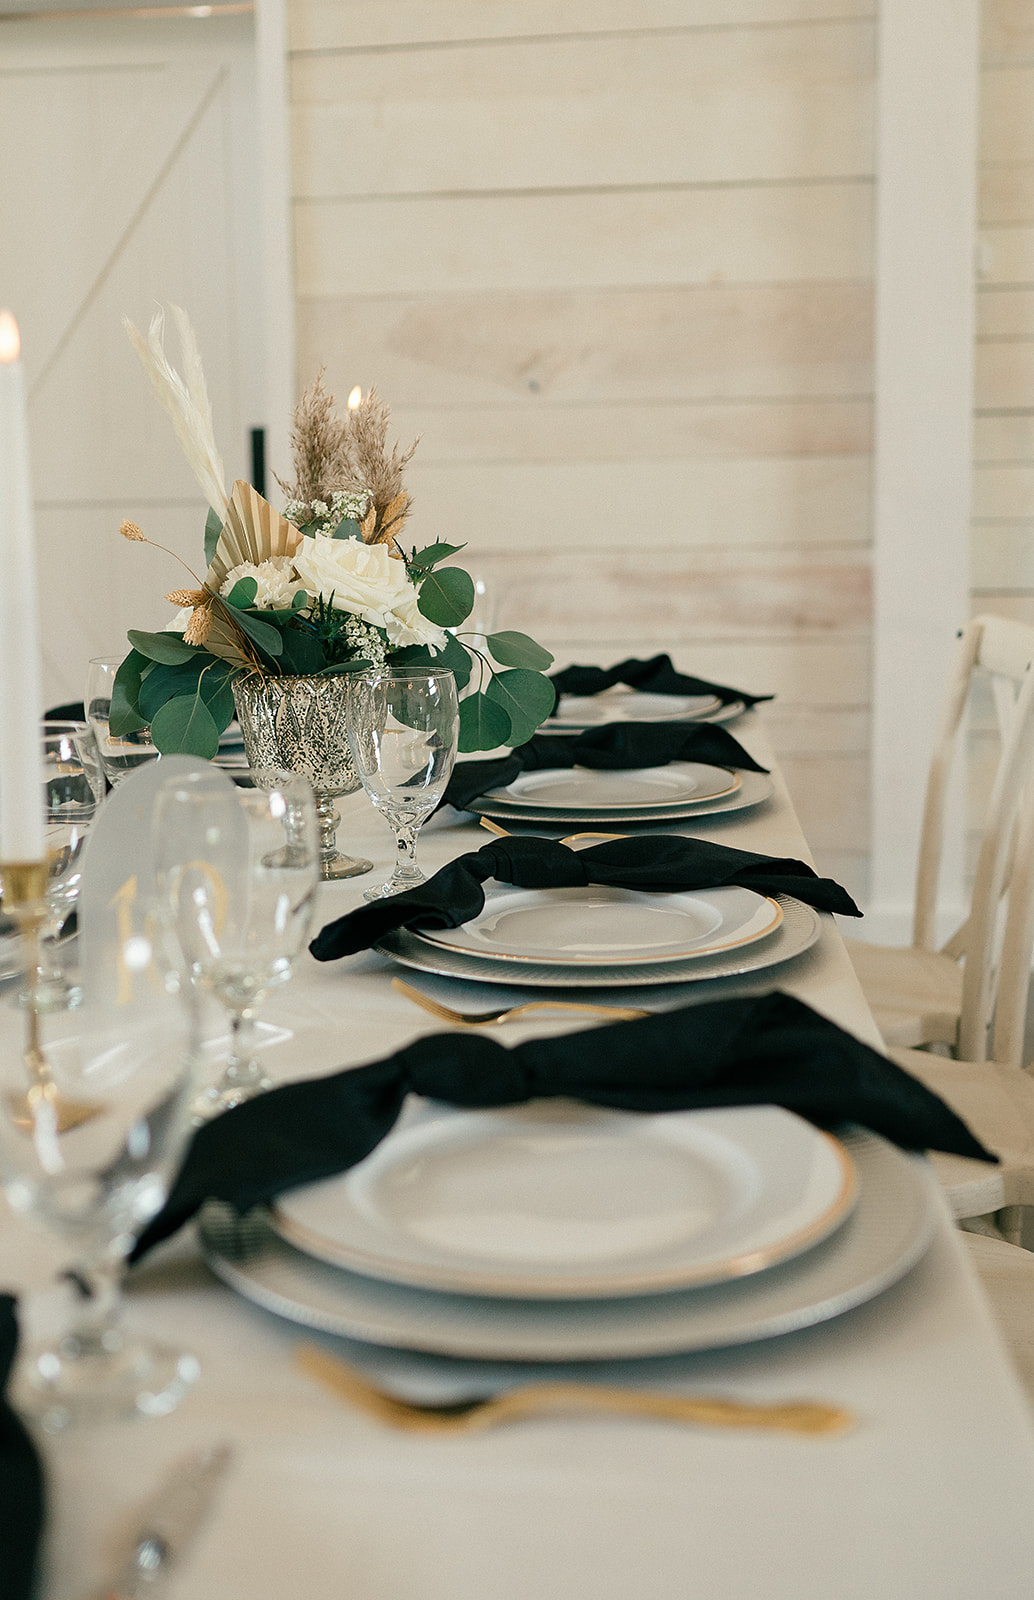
x=355, y=399
x=10, y=339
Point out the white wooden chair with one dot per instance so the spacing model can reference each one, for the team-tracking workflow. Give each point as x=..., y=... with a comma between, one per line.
x=1007, y=1274
x=995, y=1096
x=921, y=994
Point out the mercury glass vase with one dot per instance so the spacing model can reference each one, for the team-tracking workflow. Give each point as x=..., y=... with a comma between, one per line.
x=298, y=725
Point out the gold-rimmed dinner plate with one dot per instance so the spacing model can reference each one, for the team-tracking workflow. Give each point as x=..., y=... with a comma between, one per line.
x=798, y=931
x=559, y=1200
x=577, y=789
x=600, y=925
x=884, y=1236
x=751, y=789
x=622, y=704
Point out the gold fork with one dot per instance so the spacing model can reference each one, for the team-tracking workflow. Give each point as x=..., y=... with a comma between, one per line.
x=570, y=838
x=476, y=1019
x=469, y=1416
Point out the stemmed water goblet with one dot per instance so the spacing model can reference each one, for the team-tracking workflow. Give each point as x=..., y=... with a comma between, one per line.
x=237, y=865
x=119, y=753
x=403, y=729
x=73, y=786
x=94, y=1111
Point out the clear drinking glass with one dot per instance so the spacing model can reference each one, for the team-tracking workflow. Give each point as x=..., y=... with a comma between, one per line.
x=94, y=1112
x=403, y=729
x=118, y=755
x=237, y=865
x=73, y=786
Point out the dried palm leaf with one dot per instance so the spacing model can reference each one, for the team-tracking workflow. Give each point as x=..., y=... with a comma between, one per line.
x=253, y=531
x=185, y=400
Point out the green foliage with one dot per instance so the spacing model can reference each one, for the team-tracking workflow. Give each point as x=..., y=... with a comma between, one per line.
x=243, y=593
x=167, y=647
x=526, y=697
x=517, y=650
x=447, y=597
x=213, y=528
x=347, y=528
x=124, y=714
x=483, y=724
x=185, y=726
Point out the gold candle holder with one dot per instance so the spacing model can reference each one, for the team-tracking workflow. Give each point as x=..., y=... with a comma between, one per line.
x=24, y=898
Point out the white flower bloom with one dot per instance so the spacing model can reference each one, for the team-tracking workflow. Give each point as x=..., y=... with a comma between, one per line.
x=353, y=576
x=276, y=579
x=179, y=621
x=408, y=625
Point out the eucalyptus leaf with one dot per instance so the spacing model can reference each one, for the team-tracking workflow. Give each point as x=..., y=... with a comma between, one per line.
x=433, y=553
x=167, y=647
x=517, y=650
x=166, y=682
x=455, y=658
x=413, y=658
x=484, y=724
x=185, y=726
x=347, y=528
x=264, y=634
x=447, y=597
x=124, y=712
x=341, y=668
x=213, y=528
x=243, y=593
x=302, y=652
x=526, y=697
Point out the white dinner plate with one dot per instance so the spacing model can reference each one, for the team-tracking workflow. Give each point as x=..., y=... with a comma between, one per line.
x=621, y=704
x=752, y=789
x=799, y=930
x=885, y=1235
x=562, y=1201
x=678, y=783
x=601, y=925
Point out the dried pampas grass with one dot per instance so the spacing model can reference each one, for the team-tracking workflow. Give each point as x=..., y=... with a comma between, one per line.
x=185, y=399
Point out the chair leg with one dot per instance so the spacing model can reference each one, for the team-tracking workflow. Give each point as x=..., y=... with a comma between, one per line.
x=1010, y=1223
x=986, y=1226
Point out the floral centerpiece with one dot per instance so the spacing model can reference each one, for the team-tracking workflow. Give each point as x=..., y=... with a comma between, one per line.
x=323, y=589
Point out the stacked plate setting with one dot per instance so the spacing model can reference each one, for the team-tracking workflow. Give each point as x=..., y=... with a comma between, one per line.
x=677, y=792
x=574, y=713
x=562, y=1232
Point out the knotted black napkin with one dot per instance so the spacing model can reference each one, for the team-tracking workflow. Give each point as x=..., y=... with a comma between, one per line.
x=768, y=1050
x=657, y=862
x=21, y=1478
x=617, y=746
x=655, y=676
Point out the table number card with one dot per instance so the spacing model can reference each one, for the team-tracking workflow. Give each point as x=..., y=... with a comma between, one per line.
x=122, y=963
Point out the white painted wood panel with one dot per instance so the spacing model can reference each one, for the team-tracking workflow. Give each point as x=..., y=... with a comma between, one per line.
x=1007, y=254
x=359, y=24
x=769, y=104
x=786, y=501
x=655, y=431
x=803, y=232
x=1007, y=437
x=596, y=346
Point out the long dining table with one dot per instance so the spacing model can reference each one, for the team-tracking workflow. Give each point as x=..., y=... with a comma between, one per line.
x=930, y=1497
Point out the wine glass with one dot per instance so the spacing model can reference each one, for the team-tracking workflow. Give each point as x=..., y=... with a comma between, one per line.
x=73, y=786
x=119, y=754
x=94, y=1112
x=403, y=729
x=237, y=866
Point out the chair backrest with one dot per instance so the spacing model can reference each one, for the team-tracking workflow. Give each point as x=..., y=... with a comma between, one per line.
x=1010, y=1006
x=1003, y=652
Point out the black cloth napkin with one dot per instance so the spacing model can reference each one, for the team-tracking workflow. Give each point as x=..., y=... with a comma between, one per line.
x=655, y=676
x=656, y=862
x=768, y=1050
x=21, y=1478
x=609, y=749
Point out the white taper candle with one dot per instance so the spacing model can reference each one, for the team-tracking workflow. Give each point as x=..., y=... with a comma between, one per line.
x=21, y=694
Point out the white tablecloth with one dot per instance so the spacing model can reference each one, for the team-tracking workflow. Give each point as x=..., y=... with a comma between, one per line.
x=931, y=1498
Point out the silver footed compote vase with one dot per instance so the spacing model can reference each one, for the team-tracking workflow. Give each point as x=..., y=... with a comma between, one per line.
x=298, y=725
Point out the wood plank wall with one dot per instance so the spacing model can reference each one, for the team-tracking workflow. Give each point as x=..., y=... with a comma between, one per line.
x=611, y=261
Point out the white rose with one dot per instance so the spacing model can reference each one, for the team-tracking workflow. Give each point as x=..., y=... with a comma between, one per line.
x=408, y=625
x=356, y=577
x=275, y=578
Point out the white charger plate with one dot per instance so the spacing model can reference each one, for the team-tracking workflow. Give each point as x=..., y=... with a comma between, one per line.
x=677, y=783
x=885, y=1235
x=753, y=788
x=562, y=1201
x=799, y=930
x=621, y=704
x=601, y=925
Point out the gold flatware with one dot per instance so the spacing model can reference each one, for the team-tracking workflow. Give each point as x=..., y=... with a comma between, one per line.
x=477, y=1019
x=569, y=838
x=469, y=1416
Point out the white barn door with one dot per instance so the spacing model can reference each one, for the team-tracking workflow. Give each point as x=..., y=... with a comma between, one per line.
x=129, y=178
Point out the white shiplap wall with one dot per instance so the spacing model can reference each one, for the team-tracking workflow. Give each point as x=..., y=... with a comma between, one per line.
x=612, y=262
